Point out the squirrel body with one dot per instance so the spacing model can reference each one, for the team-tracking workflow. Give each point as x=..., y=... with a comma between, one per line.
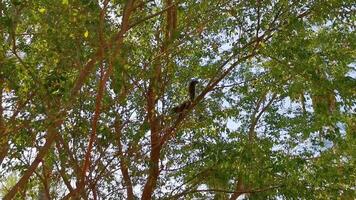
x=186, y=104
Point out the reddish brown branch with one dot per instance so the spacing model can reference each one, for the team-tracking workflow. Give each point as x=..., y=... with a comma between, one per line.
x=101, y=88
x=77, y=86
x=3, y=139
x=30, y=170
x=123, y=162
x=238, y=189
x=99, y=98
x=155, y=142
x=151, y=16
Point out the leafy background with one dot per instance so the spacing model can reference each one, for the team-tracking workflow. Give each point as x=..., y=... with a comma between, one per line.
x=87, y=90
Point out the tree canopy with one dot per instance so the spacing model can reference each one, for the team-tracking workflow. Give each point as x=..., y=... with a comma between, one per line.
x=88, y=91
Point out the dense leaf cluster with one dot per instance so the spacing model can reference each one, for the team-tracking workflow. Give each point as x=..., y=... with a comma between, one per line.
x=87, y=90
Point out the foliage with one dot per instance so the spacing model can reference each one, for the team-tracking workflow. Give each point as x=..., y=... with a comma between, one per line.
x=87, y=90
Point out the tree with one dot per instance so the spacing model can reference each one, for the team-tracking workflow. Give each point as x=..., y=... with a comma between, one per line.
x=87, y=90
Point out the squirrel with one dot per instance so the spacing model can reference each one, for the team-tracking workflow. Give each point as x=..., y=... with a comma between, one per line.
x=186, y=104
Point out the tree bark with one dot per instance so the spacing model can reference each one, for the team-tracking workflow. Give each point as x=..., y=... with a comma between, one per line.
x=155, y=142
x=31, y=169
x=3, y=137
x=123, y=164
